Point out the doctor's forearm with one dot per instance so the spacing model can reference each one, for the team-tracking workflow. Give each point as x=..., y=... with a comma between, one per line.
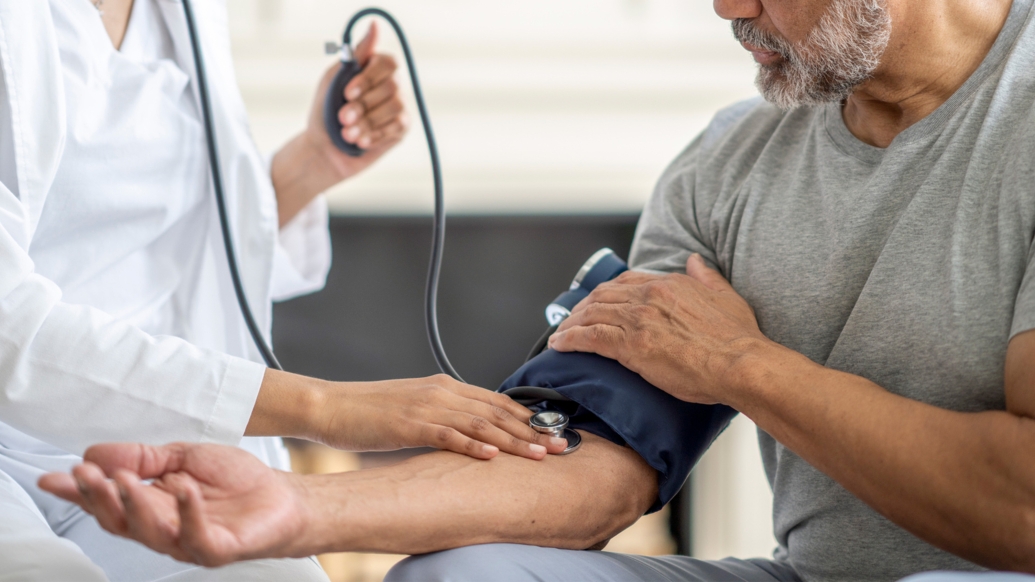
x=443, y=500
x=300, y=172
x=960, y=481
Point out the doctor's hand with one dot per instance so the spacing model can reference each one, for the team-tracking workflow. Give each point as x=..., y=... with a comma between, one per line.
x=207, y=504
x=682, y=333
x=434, y=412
x=374, y=119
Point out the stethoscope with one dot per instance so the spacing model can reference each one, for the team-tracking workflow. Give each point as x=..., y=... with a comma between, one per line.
x=547, y=422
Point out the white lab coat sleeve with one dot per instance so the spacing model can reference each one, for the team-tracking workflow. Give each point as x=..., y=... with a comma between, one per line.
x=302, y=257
x=74, y=376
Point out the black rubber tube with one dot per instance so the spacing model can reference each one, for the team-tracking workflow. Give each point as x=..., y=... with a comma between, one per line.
x=217, y=185
x=438, y=234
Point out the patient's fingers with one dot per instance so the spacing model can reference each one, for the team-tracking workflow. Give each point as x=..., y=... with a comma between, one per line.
x=150, y=514
x=601, y=339
x=629, y=287
x=100, y=497
x=626, y=315
x=198, y=536
x=615, y=323
x=144, y=460
x=63, y=485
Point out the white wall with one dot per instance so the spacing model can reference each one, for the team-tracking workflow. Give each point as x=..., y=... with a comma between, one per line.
x=733, y=505
x=539, y=106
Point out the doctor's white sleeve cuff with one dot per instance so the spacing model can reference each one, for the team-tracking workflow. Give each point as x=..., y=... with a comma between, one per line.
x=235, y=401
x=73, y=376
x=302, y=257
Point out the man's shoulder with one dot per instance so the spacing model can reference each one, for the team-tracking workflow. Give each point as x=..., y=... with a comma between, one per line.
x=741, y=116
x=738, y=134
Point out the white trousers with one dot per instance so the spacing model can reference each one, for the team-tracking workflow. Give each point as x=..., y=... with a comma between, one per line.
x=46, y=539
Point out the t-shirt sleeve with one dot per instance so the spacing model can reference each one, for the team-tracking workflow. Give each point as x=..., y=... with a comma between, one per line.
x=674, y=222
x=1024, y=306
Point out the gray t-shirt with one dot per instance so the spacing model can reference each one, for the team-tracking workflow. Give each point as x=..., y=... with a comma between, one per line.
x=911, y=266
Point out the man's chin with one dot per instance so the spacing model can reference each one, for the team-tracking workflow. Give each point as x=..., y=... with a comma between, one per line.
x=772, y=85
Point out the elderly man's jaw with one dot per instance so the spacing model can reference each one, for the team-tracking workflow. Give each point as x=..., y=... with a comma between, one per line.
x=840, y=53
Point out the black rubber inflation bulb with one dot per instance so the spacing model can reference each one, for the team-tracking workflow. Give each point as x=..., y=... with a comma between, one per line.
x=334, y=102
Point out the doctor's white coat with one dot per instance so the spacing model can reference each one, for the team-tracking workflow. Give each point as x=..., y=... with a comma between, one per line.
x=73, y=375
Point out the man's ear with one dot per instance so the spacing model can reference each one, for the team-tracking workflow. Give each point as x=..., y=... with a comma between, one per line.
x=709, y=277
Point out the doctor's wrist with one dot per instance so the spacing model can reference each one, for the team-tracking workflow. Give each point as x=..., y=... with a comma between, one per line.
x=288, y=405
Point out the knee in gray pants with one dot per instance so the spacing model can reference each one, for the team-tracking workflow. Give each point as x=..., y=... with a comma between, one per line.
x=474, y=564
x=969, y=577
x=508, y=563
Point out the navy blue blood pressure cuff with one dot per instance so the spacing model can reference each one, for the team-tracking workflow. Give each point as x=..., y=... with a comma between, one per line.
x=603, y=397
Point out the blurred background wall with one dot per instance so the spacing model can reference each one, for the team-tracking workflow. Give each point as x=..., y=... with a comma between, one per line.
x=554, y=118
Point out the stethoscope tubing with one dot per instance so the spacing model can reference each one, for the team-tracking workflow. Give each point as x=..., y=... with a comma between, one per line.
x=217, y=185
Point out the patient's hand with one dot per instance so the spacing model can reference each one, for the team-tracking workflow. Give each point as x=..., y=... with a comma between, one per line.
x=683, y=334
x=208, y=504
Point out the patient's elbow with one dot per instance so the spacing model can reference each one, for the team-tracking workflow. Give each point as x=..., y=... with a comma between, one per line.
x=625, y=491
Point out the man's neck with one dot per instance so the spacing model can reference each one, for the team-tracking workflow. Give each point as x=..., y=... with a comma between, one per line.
x=935, y=46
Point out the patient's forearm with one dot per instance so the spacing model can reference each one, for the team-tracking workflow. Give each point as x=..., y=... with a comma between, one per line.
x=444, y=500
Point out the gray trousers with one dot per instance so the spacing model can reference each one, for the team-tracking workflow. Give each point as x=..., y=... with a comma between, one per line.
x=516, y=563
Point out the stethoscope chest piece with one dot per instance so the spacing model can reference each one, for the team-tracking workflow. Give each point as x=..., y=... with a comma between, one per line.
x=555, y=424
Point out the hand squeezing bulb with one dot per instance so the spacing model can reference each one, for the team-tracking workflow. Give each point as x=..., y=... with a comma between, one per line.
x=335, y=99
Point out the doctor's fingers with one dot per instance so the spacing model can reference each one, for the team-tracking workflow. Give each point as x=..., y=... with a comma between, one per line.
x=379, y=69
x=497, y=427
x=385, y=137
x=378, y=126
x=100, y=497
x=475, y=437
x=494, y=399
x=384, y=93
x=490, y=424
x=366, y=47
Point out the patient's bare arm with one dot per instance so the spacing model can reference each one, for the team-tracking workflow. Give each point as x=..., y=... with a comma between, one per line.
x=213, y=505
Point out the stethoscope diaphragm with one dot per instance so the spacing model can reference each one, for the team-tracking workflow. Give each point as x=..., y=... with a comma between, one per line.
x=555, y=424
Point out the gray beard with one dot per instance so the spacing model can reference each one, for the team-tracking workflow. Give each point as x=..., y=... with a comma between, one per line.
x=839, y=54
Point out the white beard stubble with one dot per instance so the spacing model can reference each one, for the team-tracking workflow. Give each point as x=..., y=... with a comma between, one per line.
x=838, y=55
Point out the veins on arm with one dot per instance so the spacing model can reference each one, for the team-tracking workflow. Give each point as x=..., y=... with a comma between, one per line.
x=444, y=500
